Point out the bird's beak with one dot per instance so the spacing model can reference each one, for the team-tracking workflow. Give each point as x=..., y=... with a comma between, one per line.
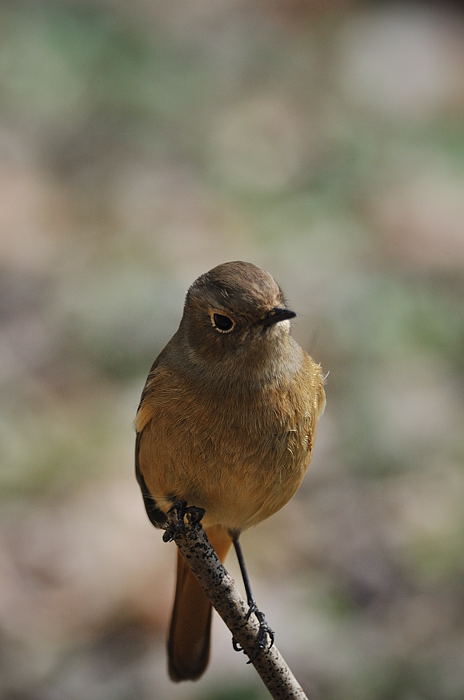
x=278, y=313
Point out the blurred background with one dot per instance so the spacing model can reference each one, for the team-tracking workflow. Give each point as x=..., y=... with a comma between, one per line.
x=141, y=144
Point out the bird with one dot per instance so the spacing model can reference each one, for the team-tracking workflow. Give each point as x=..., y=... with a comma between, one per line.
x=226, y=424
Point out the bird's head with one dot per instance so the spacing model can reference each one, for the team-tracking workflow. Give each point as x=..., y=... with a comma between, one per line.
x=235, y=313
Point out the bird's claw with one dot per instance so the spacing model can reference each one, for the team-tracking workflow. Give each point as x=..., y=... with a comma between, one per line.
x=178, y=515
x=252, y=610
x=235, y=645
x=264, y=633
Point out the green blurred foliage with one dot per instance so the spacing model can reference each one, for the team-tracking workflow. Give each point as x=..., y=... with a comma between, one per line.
x=141, y=145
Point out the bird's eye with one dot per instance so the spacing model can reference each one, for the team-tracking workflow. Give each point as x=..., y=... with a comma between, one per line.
x=222, y=323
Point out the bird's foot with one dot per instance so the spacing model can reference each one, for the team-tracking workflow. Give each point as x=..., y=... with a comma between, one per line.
x=180, y=515
x=264, y=638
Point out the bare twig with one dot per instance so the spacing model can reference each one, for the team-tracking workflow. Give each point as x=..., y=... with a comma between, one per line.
x=220, y=589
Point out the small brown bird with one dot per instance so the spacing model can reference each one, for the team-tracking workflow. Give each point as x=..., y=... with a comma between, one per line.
x=226, y=423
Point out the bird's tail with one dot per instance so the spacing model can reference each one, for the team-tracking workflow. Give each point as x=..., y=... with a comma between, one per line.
x=189, y=632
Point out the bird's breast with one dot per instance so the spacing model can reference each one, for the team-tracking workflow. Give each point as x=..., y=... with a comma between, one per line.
x=241, y=456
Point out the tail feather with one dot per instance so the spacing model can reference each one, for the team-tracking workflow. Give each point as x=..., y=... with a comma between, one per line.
x=190, y=628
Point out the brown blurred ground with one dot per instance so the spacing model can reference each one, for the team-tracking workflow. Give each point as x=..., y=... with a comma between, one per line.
x=140, y=145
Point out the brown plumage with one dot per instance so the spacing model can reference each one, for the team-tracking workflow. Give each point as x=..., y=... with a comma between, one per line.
x=226, y=422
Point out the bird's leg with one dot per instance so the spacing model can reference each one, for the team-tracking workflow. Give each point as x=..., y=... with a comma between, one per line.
x=177, y=515
x=264, y=631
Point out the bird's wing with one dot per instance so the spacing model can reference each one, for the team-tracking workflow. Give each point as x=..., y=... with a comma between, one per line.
x=156, y=515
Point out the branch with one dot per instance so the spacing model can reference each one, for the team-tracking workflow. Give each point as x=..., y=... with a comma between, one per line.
x=220, y=589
